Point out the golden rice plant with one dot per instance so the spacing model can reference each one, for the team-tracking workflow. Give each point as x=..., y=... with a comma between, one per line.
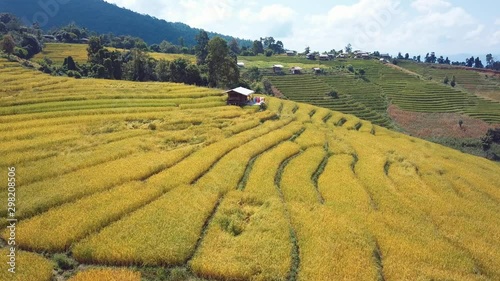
x=74, y=221
x=236, y=161
x=29, y=267
x=247, y=239
x=199, y=162
x=312, y=136
x=106, y=274
x=320, y=115
x=261, y=183
x=333, y=245
x=252, y=226
x=40, y=196
x=340, y=187
x=296, y=183
x=162, y=233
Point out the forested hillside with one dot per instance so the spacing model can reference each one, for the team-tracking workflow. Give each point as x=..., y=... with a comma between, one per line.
x=102, y=17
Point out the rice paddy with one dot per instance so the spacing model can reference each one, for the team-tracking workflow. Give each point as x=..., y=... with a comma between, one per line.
x=122, y=176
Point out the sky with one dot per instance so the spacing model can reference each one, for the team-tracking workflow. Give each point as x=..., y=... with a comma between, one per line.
x=447, y=27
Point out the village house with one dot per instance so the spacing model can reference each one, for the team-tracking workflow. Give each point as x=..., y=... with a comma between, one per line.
x=311, y=56
x=317, y=70
x=296, y=70
x=324, y=57
x=239, y=96
x=278, y=68
x=290, y=53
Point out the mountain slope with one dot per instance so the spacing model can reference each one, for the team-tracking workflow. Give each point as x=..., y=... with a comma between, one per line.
x=101, y=17
x=166, y=175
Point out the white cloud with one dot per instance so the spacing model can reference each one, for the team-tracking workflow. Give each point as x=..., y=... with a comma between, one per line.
x=426, y=6
x=474, y=34
x=384, y=25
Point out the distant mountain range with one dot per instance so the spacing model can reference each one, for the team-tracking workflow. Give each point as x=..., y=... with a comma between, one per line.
x=103, y=17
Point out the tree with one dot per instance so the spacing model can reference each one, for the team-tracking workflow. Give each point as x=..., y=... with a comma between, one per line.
x=307, y=50
x=419, y=58
x=489, y=61
x=453, y=82
x=447, y=61
x=407, y=56
x=201, y=48
x=440, y=60
x=469, y=62
x=93, y=49
x=446, y=80
x=138, y=67
x=31, y=44
x=478, y=63
x=235, y=48
x=348, y=48
x=163, y=70
x=70, y=63
x=8, y=44
x=181, y=41
x=400, y=56
x=222, y=68
x=257, y=47
x=168, y=48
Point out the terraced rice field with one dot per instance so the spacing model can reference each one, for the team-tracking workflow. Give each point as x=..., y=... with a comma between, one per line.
x=354, y=96
x=370, y=98
x=472, y=81
x=57, y=52
x=123, y=175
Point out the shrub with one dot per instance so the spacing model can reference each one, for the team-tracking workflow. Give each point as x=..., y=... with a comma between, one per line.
x=20, y=52
x=350, y=68
x=333, y=94
x=64, y=262
x=446, y=80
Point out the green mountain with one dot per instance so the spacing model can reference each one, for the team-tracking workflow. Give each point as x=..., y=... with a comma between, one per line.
x=103, y=17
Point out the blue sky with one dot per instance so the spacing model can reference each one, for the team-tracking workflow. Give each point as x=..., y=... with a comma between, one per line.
x=446, y=27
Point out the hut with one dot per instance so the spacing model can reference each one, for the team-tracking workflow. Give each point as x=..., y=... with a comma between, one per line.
x=239, y=96
x=324, y=57
x=278, y=68
x=290, y=53
x=296, y=70
x=317, y=70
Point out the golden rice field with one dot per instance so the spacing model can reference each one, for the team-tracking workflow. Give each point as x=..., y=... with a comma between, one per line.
x=123, y=176
x=57, y=52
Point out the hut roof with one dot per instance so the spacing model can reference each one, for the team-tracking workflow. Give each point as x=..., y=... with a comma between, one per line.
x=242, y=91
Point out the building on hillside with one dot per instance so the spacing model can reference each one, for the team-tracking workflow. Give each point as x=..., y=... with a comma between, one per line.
x=296, y=70
x=311, y=56
x=342, y=56
x=239, y=96
x=84, y=40
x=385, y=56
x=49, y=38
x=241, y=64
x=290, y=53
x=278, y=68
x=317, y=70
x=324, y=57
